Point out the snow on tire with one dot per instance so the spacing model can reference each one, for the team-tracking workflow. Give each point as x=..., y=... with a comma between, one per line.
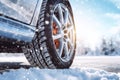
x=54, y=43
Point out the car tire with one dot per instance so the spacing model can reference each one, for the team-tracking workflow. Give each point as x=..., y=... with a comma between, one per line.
x=54, y=43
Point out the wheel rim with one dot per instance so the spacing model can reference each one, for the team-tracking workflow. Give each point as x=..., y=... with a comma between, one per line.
x=63, y=32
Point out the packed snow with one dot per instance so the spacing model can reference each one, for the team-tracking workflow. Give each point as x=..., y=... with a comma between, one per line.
x=107, y=63
x=62, y=74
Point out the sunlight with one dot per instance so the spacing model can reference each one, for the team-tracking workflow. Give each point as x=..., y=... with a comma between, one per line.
x=88, y=36
x=95, y=21
x=88, y=32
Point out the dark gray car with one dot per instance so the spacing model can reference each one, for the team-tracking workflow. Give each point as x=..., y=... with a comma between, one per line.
x=43, y=29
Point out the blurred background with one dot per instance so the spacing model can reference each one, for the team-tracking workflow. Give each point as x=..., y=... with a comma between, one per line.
x=98, y=26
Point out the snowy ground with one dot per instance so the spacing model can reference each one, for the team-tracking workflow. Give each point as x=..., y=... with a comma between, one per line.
x=83, y=68
x=66, y=74
x=108, y=63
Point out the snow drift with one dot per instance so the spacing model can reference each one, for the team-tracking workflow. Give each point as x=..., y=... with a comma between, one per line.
x=65, y=74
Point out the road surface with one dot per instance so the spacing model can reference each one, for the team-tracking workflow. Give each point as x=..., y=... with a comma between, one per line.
x=108, y=63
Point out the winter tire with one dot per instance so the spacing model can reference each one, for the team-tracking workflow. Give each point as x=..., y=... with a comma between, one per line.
x=54, y=43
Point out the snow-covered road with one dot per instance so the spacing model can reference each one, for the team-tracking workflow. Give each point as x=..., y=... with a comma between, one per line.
x=108, y=63
x=83, y=68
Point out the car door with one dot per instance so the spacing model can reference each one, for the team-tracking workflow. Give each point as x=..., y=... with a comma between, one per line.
x=21, y=10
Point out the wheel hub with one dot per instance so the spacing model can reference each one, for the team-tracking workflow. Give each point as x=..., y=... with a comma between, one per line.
x=63, y=32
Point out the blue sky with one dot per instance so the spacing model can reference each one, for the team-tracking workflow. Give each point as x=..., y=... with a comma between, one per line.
x=96, y=19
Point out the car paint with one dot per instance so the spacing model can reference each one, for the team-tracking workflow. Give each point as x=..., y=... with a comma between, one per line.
x=11, y=29
x=16, y=17
x=21, y=10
